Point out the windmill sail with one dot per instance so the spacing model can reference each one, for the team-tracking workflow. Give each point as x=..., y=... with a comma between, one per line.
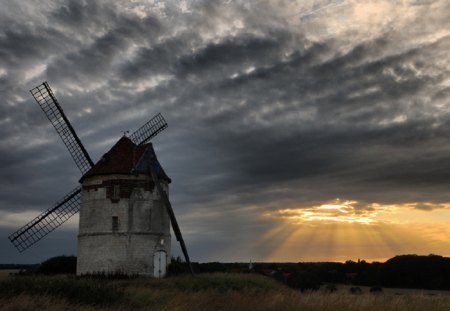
x=152, y=165
x=48, y=103
x=149, y=130
x=173, y=220
x=47, y=221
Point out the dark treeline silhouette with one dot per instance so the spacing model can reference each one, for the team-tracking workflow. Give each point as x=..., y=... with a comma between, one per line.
x=58, y=265
x=12, y=266
x=53, y=265
x=405, y=271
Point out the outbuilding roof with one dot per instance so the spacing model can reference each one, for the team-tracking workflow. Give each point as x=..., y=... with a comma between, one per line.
x=125, y=157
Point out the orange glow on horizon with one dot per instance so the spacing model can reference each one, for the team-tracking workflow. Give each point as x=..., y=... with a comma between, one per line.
x=344, y=229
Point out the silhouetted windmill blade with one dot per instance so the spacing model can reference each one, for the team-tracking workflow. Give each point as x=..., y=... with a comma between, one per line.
x=149, y=130
x=173, y=220
x=47, y=221
x=48, y=103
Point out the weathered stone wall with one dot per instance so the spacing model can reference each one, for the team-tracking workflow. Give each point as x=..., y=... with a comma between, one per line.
x=143, y=226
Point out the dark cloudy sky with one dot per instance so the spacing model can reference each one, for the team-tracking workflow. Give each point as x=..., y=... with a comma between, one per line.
x=298, y=130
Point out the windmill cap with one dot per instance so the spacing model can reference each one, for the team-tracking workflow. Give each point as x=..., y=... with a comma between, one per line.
x=125, y=157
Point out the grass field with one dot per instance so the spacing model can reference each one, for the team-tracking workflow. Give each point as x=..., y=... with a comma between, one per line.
x=203, y=292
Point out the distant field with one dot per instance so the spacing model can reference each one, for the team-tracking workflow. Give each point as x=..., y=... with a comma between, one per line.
x=219, y=291
x=6, y=273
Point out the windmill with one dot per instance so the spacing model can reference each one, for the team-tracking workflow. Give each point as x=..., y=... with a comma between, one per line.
x=128, y=183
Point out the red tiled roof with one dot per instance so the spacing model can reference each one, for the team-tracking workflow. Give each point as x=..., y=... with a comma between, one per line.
x=122, y=158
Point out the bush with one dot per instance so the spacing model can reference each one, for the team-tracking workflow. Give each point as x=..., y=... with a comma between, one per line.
x=58, y=265
x=376, y=289
x=177, y=267
x=303, y=280
x=355, y=290
x=330, y=288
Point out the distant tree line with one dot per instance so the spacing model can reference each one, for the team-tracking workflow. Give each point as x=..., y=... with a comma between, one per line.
x=405, y=271
x=17, y=266
x=54, y=265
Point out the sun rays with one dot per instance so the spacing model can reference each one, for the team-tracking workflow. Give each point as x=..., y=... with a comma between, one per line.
x=334, y=211
x=339, y=230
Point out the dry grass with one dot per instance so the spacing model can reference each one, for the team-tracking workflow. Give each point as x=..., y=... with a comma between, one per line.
x=239, y=292
x=286, y=300
x=27, y=302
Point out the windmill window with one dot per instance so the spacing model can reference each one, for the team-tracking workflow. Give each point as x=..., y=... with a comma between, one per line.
x=115, y=223
x=116, y=193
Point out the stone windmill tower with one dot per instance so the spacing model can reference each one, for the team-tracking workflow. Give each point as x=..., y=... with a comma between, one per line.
x=124, y=226
x=125, y=213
